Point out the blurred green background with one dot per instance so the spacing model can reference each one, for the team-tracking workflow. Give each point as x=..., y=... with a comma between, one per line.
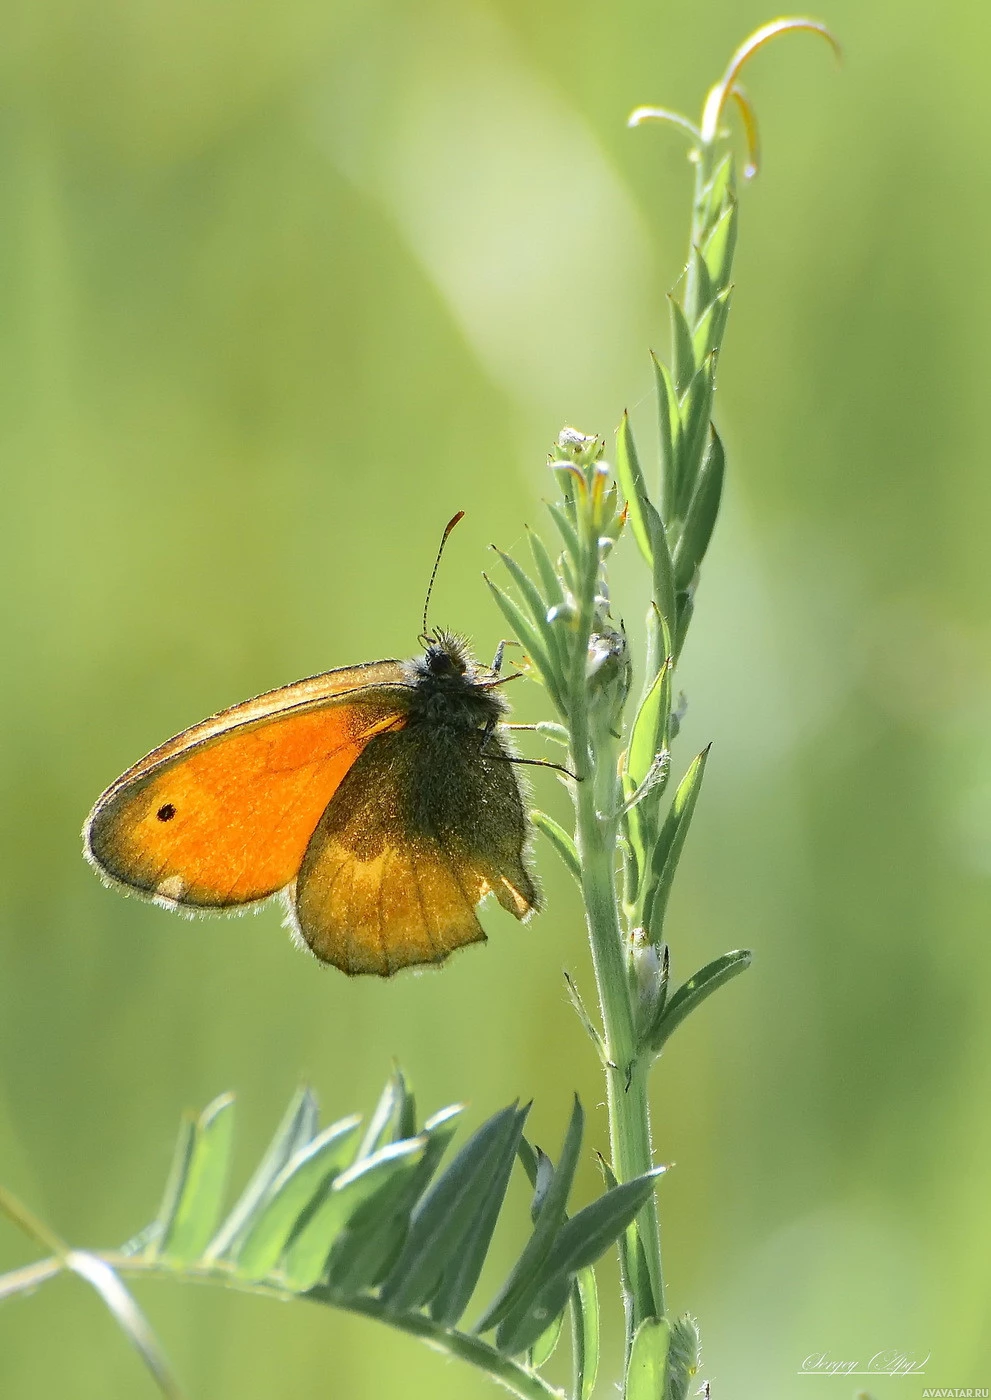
x=283, y=287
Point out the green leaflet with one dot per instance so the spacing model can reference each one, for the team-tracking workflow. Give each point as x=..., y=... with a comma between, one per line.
x=369, y=1244
x=646, y=1371
x=538, y=608
x=444, y=1225
x=305, y=1257
x=634, y=490
x=668, y=847
x=708, y=334
x=701, y=284
x=683, y=364
x=649, y=734
x=719, y=245
x=700, y=518
x=693, y=993
x=293, y=1192
x=294, y=1132
x=560, y=840
x=462, y=1271
x=584, y=1333
x=195, y=1194
x=526, y=633
x=545, y=568
x=669, y=429
x=578, y=1244
x=394, y=1117
x=551, y=1215
x=567, y=531
x=546, y=1344
x=695, y=407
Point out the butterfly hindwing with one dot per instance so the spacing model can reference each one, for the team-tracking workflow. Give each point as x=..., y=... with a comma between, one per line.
x=423, y=826
x=221, y=815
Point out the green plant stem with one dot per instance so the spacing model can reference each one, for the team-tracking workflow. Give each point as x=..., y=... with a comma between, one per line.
x=626, y=1067
x=519, y=1379
x=705, y=161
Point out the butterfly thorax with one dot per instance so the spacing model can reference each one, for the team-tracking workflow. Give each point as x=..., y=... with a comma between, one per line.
x=450, y=690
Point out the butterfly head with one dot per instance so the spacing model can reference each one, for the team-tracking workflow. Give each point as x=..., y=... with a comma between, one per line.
x=446, y=657
x=450, y=684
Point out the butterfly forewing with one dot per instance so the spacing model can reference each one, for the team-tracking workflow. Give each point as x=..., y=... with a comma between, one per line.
x=222, y=814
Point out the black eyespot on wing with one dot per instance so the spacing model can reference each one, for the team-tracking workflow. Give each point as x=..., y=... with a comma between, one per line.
x=166, y=812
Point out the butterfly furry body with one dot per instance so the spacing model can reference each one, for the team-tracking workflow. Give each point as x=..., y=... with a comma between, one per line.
x=381, y=799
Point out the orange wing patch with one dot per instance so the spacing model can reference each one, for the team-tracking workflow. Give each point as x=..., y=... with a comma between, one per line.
x=400, y=857
x=407, y=904
x=222, y=814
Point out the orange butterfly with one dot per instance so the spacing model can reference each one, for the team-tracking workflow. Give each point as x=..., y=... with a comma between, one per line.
x=379, y=799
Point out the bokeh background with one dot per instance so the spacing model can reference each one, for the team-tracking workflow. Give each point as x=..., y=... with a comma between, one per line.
x=284, y=286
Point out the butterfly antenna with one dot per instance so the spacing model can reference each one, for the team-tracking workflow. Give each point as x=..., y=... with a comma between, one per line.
x=430, y=586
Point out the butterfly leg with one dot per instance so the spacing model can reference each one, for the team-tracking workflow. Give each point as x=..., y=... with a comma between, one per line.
x=485, y=736
x=496, y=666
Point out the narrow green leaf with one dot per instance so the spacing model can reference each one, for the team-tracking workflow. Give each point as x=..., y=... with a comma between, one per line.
x=462, y=1271
x=444, y=1216
x=584, y=1333
x=525, y=1273
x=708, y=334
x=701, y=515
x=306, y=1256
x=175, y=1185
x=371, y=1241
x=703, y=291
x=535, y=601
x=560, y=840
x=530, y=1157
x=583, y=1016
x=522, y=1328
x=589, y=1234
x=634, y=489
x=301, y=1181
x=545, y=568
x=718, y=188
x=567, y=531
x=668, y=848
x=198, y=1208
x=683, y=364
x=669, y=428
x=695, y=408
x=694, y=992
x=394, y=1118
x=637, y=1284
x=634, y=845
x=647, y=736
x=647, y=1369
x=580, y=1241
x=546, y=1344
x=719, y=245
x=294, y=1132
x=686, y=609
x=528, y=636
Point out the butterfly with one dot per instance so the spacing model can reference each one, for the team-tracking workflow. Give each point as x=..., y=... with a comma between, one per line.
x=381, y=800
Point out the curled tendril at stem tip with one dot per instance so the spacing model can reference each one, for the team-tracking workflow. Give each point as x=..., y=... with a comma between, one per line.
x=662, y=114
x=728, y=87
x=751, y=130
x=718, y=96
